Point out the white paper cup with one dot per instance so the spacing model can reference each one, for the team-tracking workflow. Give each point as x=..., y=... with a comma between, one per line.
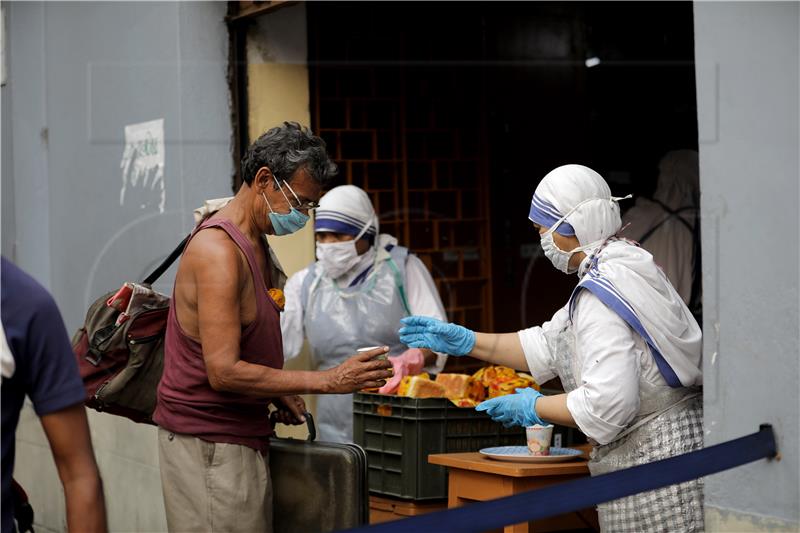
x=379, y=357
x=539, y=439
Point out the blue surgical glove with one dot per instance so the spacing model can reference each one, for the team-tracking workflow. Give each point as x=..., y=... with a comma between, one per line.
x=514, y=409
x=433, y=334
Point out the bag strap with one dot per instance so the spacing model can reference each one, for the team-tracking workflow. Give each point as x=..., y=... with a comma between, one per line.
x=160, y=269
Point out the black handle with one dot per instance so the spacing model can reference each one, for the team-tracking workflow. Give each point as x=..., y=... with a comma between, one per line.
x=312, y=429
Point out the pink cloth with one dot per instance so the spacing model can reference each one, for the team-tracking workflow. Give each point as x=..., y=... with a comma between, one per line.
x=408, y=363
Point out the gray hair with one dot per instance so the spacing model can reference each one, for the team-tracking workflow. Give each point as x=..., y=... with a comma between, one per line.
x=284, y=150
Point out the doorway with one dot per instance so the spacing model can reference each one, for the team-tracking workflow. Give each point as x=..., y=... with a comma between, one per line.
x=451, y=125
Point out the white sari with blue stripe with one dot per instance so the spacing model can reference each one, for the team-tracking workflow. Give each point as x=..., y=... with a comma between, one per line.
x=625, y=278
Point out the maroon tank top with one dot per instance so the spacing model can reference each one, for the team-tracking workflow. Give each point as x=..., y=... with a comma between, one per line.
x=186, y=402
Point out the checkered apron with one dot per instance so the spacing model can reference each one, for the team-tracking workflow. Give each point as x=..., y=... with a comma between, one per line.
x=669, y=423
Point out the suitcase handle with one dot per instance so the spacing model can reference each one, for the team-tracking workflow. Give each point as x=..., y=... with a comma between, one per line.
x=312, y=429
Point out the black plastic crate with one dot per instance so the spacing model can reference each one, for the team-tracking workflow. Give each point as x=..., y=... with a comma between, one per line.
x=399, y=433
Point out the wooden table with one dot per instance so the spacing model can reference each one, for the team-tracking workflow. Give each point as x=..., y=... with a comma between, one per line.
x=385, y=509
x=475, y=477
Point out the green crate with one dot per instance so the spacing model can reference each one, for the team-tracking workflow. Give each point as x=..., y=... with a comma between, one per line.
x=399, y=433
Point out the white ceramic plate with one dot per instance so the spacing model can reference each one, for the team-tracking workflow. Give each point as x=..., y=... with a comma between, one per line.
x=519, y=454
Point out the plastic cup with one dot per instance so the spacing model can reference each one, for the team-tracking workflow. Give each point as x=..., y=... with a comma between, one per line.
x=539, y=439
x=379, y=357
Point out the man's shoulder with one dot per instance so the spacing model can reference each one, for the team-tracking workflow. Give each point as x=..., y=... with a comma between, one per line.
x=16, y=280
x=211, y=248
x=22, y=296
x=212, y=238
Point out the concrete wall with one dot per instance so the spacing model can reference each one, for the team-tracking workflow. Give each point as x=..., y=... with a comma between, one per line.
x=78, y=73
x=277, y=91
x=6, y=184
x=747, y=88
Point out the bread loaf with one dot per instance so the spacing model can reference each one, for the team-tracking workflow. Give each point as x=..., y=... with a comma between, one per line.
x=455, y=385
x=421, y=387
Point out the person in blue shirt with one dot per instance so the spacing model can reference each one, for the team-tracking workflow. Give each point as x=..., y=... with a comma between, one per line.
x=38, y=362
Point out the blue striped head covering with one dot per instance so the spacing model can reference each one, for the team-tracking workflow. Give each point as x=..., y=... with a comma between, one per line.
x=346, y=209
x=545, y=214
x=582, y=195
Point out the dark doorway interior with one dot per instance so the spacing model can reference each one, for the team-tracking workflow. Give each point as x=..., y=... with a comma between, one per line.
x=450, y=114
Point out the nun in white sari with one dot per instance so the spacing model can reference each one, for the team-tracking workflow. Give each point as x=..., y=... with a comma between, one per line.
x=625, y=346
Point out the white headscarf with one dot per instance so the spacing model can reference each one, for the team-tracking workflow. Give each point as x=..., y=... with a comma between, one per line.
x=583, y=195
x=346, y=209
x=621, y=274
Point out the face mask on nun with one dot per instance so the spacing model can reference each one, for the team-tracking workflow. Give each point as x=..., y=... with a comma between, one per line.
x=560, y=258
x=338, y=258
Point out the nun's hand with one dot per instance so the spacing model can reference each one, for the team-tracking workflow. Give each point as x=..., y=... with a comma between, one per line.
x=435, y=335
x=514, y=409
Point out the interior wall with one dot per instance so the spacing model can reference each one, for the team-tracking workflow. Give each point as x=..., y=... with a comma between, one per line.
x=78, y=74
x=548, y=108
x=403, y=110
x=521, y=72
x=747, y=92
x=278, y=91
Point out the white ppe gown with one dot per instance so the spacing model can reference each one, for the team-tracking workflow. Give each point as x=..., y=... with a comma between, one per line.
x=337, y=321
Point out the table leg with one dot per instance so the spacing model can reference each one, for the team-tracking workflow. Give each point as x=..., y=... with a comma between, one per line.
x=452, y=491
x=517, y=528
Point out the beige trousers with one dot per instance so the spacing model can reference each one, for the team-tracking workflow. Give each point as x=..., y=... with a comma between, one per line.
x=212, y=486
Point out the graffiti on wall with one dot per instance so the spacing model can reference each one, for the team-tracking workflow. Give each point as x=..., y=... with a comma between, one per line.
x=143, y=165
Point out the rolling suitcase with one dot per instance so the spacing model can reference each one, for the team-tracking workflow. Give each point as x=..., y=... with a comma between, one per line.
x=317, y=486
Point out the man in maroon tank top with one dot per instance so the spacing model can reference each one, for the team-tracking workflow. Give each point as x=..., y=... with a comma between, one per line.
x=223, y=354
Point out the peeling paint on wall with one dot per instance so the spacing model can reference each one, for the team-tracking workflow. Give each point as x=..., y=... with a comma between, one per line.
x=143, y=164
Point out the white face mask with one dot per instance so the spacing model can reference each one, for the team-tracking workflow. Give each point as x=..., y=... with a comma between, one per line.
x=337, y=258
x=556, y=255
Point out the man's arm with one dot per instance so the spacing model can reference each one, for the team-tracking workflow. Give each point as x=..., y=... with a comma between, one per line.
x=218, y=278
x=67, y=431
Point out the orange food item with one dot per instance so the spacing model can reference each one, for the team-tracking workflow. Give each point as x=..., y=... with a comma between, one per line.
x=419, y=387
x=502, y=380
x=402, y=389
x=278, y=297
x=509, y=386
x=530, y=379
x=455, y=385
x=491, y=374
x=464, y=390
x=476, y=391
